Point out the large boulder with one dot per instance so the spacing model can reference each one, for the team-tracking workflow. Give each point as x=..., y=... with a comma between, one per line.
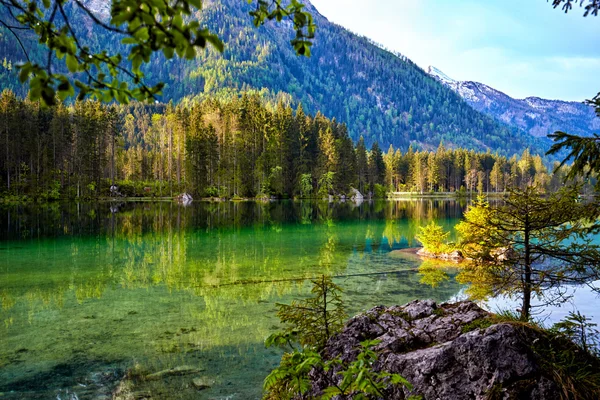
x=450, y=351
x=355, y=195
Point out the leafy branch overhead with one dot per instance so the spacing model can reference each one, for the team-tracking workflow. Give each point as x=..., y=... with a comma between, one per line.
x=584, y=151
x=144, y=26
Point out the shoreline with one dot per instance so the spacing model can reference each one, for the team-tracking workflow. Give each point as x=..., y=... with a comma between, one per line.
x=157, y=199
x=444, y=195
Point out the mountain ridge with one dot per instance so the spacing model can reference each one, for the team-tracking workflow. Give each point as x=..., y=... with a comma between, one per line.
x=535, y=115
x=380, y=95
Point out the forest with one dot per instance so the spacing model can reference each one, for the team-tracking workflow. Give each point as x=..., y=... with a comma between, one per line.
x=379, y=95
x=241, y=147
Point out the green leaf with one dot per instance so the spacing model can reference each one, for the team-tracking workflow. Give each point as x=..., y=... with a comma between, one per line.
x=190, y=53
x=24, y=72
x=72, y=63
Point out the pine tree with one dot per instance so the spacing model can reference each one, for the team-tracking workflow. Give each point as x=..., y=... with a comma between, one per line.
x=529, y=243
x=376, y=166
x=362, y=165
x=433, y=171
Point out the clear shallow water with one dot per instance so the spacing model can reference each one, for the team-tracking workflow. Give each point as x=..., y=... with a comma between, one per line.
x=86, y=294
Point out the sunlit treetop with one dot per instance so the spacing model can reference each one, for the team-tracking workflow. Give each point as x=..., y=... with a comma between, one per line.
x=144, y=26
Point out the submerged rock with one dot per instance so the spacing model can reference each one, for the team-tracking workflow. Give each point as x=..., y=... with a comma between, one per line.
x=180, y=370
x=201, y=383
x=440, y=350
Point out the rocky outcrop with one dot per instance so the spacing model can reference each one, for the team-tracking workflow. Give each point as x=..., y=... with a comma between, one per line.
x=451, y=351
x=454, y=255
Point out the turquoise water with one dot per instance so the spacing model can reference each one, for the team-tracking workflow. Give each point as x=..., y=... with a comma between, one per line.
x=91, y=294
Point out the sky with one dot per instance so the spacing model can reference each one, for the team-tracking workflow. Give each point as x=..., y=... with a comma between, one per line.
x=521, y=47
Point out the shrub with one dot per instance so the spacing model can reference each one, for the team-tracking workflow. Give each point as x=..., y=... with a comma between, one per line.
x=211, y=191
x=311, y=323
x=433, y=238
x=379, y=191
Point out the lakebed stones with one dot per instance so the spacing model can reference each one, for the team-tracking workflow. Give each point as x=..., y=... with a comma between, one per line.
x=440, y=350
x=201, y=383
x=179, y=370
x=152, y=386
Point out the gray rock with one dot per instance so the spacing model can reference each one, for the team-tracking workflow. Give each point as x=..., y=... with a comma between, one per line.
x=420, y=309
x=356, y=195
x=454, y=256
x=426, y=344
x=185, y=199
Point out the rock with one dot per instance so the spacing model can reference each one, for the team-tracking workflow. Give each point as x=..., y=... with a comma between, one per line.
x=455, y=255
x=356, y=195
x=432, y=347
x=180, y=370
x=420, y=309
x=201, y=383
x=184, y=199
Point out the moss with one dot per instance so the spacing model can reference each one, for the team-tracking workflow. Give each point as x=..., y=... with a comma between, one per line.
x=440, y=312
x=404, y=315
x=481, y=323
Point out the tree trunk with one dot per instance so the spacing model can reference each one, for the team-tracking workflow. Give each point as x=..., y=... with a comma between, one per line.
x=526, y=306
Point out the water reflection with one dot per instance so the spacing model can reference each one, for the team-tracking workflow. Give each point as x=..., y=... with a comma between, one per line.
x=162, y=285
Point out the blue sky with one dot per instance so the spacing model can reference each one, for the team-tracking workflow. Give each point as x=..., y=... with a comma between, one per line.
x=522, y=47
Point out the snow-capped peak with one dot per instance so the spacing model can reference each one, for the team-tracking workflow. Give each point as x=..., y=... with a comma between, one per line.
x=436, y=73
x=534, y=115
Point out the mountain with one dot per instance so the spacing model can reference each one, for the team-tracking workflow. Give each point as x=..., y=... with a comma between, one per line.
x=380, y=95
x=536, y=116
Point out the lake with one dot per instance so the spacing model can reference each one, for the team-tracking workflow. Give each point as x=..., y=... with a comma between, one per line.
x=91, y=291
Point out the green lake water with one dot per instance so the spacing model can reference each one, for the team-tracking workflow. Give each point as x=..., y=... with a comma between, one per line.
x=88, y=292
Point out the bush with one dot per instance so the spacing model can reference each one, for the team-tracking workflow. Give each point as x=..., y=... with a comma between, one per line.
x=211, y=191
x=52, y=193
x=311, y=323
x=433, y=238
x=379, y=191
